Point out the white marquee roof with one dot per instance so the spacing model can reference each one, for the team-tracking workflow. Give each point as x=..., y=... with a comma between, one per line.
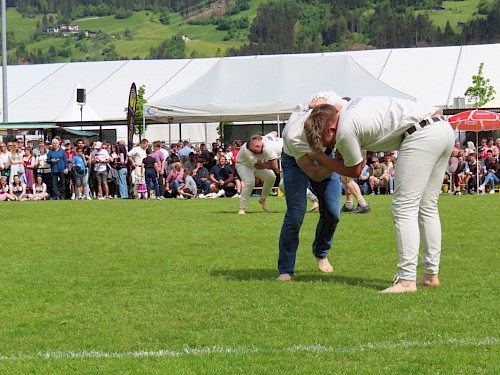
x=42, y=93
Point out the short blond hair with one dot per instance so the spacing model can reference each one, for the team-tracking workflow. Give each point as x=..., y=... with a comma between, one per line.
x=316, y=122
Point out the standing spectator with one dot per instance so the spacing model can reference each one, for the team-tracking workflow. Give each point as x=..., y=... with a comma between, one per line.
x=79, y=164
x=16, y=164
x=185, y=151
x=135, y=156
x=44, y=168
x=160, y=155
x=101, y=158
x=121, y=167
x=29, y=163
x=149, y=171
x=4, y=160
x=36, y=151
x=70, y=178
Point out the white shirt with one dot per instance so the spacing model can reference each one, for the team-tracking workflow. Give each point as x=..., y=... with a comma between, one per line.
x=245, y=157
x=376, y=124
x=137, y=154
x=271, y=147
x=294, y=138
x=98, y=155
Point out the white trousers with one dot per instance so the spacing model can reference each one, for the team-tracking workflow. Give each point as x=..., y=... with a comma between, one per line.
x=421, y=165
x=134, y=176
x=247, y=176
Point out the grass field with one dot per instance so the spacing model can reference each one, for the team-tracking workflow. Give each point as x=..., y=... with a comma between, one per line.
x=455, y=12
x=187, y=287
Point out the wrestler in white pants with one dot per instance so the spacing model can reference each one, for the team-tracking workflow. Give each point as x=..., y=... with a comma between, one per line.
x=247, y=175
x=422, y=162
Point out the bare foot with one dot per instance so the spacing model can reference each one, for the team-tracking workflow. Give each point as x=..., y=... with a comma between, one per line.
x=402, y=286
x=428, y=280
x=241, y=211
x=263, y=204
x=314, y=206
x=284, y=277
x=324, y=265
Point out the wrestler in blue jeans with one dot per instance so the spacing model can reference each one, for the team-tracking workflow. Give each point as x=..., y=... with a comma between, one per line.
x=328, y=193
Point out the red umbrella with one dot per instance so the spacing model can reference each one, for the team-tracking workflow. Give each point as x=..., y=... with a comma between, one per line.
x=476, y=120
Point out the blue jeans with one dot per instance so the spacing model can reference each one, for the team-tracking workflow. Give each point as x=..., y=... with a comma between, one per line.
x=491, y=179
x=151, y=181
x=122, y=183
x=58, y=184
x=328, y=193
x=205, y=186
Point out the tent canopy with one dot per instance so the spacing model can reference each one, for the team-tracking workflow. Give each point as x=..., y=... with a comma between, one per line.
x=265, y=87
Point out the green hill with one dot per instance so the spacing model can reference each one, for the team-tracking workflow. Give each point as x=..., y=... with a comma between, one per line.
x=137, y=35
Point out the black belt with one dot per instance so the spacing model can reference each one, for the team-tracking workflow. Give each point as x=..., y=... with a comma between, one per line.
x=422, y=124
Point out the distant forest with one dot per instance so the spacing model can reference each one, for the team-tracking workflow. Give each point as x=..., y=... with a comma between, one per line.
x=296, y=26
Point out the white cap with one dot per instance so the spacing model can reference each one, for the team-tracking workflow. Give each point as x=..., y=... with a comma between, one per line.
x=98, y=145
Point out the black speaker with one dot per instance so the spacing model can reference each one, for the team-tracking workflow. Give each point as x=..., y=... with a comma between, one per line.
x=81, y=96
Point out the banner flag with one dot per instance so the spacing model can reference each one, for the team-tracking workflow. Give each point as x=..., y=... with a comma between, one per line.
x=132, y=104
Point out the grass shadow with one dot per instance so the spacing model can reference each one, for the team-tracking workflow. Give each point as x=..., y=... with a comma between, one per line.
x=266, y=274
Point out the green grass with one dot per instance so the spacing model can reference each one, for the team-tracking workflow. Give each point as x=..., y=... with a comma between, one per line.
x=456, y=11
x=131, y=276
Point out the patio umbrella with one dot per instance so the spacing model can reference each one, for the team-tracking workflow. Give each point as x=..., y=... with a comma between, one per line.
x=475, y=120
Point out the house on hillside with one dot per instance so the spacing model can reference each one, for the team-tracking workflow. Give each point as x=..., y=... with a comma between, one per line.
x=53, y=30
x=91, y=33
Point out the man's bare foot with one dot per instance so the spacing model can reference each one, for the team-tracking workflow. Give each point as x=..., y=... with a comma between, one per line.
x=428, y=280
x=403, y=286
x=263, y=204
x=241, y=211
x=314, y=206
x=284, y=277
x=324, y=265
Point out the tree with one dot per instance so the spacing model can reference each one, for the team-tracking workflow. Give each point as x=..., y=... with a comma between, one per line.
x=481, y=92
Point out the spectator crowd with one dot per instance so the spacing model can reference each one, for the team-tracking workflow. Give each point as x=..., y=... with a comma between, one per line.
x=101, y=170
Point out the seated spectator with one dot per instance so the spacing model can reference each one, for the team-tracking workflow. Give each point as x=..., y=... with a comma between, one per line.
x=191, y=163
x=363, y=178
x=492, y=172
x=471, y=148
x=222, y=179
x=378, y=176
x=175, y=179
x=461, y=177
x=471, y=172
x=451, y=169
x=202, y=177
x=189, y=189
x=352, y=191
x=388, y=161
x=39, y=190
x=18, y=189
x=5, y=190
x=150, y=170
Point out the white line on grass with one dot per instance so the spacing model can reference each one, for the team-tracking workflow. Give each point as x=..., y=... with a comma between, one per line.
x=189, y=351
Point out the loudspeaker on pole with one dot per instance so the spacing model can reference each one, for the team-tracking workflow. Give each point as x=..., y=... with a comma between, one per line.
x=81, y=96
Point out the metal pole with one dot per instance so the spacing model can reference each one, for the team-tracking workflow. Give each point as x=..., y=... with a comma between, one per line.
x=4, y=64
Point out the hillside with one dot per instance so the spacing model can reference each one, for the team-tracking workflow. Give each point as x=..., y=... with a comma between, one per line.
x=265, y=27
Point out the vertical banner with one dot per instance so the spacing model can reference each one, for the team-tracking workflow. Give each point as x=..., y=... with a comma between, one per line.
x=132, y=103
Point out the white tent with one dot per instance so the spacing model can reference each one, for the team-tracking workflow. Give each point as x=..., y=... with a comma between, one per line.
x=265, y=88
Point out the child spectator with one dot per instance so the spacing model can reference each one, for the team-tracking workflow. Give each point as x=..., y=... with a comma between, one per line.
x=79, y=168
x=18, y=189
x=4, y=190
x=149, y=169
